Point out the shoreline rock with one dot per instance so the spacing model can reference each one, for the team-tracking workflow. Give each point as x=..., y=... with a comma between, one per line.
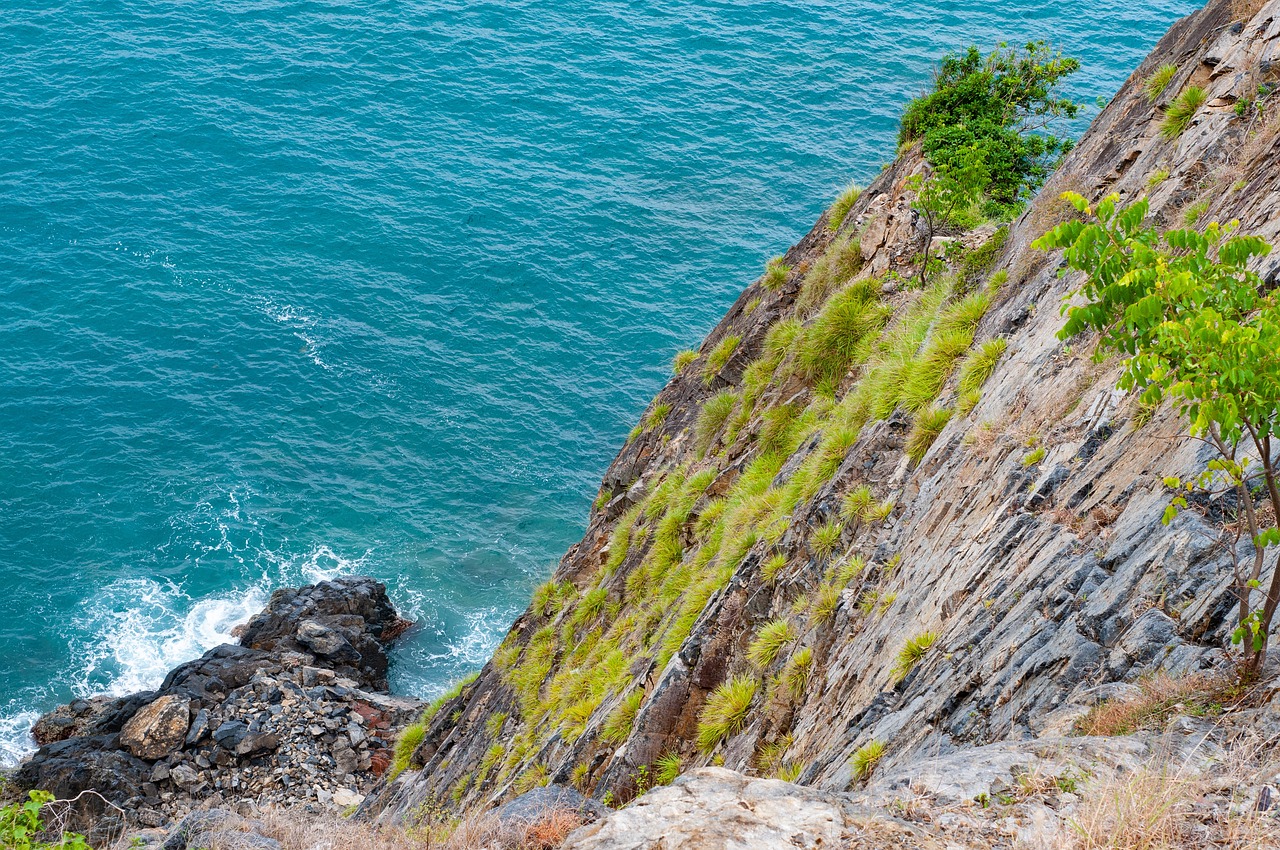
x=297, y=713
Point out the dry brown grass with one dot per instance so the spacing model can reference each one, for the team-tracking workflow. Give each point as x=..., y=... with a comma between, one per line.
x=1162, y=697
x=1164, y=805
x=296, y=830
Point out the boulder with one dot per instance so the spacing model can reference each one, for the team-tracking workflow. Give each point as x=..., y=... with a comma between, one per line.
x=533, y=805
x=158, y=728
x=716, y=809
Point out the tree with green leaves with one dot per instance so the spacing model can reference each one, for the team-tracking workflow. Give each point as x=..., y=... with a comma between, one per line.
x=1197, y=327
x=946, y=197
x=1001, y=104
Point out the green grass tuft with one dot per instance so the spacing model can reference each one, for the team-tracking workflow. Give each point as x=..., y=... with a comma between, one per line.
x=836, y=267
x=712, y=417
x=1181, y=111
x=719, y=356
x=840, y=207
x=1192, y=214
x=980, y=363
x=768, y=643
x=410, y=737
x=864, y=761
x=795, y=675
x=667, y=768
x=912, y=651
x=925, y=428
x=1033, y=457
x=836, y=339
x=725, y=712
x=618, y=725
x=682, y=360
x=773, y=566
x=1158, y=82
x=925, y=377
x=826, y=538
x=775, y=273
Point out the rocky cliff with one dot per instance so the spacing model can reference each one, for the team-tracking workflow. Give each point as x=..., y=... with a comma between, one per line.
x=875, y=517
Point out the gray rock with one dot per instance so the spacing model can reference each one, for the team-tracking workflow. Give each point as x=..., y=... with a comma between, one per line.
x=532, y=805
x=716, y=809
x=230, y=734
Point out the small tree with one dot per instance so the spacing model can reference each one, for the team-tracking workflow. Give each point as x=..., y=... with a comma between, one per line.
x=1197, y=327
x=946, y=197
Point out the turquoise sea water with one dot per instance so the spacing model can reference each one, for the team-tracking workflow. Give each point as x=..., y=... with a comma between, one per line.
x=289, y=289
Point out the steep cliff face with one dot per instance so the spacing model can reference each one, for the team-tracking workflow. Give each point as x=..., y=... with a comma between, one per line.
x=873, y=511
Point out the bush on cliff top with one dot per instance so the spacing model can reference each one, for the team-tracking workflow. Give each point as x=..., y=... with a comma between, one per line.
x=998, y=104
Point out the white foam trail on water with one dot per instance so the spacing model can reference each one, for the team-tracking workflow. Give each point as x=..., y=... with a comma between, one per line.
x=16, y=742
x=143, y=628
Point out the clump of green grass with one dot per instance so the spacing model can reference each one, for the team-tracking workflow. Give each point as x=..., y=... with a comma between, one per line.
x=1033, y=457
x=656, y=416
x=926, y=376
x=864, y=761
x=495, y=722
x=795, y=675
x=840, y=207
x=789, y=772
x=719, y=356
x=912, y=651
x=841, y=261
x=668, y=768
x=1158, y=82
x=836, y=339
x=725, y=712
x=769, y=756
x=925, y=428
x=773, y=566
x=410, y=737
x=769, y=642
x=618, y=725
x=532, y=777
x=682, y=360
x=976, y=264
x=1157, y=177
x=780, y=340
x=775, y=273
x=712, y=417
x=1191, y=215
x=825, y=602
x=879, y=511
x=826, y=538
x=1181, y=111
x=977, y=367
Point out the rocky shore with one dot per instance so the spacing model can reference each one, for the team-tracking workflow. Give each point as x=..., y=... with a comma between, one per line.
x=296, y=714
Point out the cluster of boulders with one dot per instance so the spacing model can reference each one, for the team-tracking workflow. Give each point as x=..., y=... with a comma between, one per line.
x=295, y=714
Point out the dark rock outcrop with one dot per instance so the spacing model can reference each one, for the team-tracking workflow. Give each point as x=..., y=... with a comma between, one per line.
x=295, y=714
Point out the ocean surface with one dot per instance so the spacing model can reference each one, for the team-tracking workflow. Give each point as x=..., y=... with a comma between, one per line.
x=295, y=289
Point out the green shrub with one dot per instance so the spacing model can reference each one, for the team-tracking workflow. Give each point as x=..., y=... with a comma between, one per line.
x=682, y=360
x=725, y=712
x=780, y=340
x=719, y=356
x=1158, y=82
x=981, y=362
x=844, y=202
x=712, y=418
x=864, y=761
x=983, y=103
x=769, y=641
x=925, y=428
x=22, y=828
x=775, y=273
x=909, y=656
x=1181, y=111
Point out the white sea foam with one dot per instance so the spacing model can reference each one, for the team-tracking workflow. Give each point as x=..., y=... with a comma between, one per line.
x=142, y=628
x=15, y=734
